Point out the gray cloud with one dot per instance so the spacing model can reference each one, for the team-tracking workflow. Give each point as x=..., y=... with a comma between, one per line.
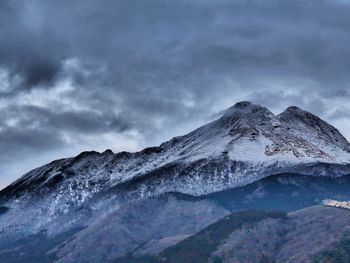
x=127, y=74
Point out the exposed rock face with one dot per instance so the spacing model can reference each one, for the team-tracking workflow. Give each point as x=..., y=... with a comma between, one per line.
x=319, y=132
x=335, y=203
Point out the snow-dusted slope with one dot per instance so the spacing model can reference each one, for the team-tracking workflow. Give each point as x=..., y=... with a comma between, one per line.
x=318, y=132
x=246, y=144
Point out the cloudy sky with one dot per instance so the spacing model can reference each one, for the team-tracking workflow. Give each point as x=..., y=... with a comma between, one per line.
x=91, y=75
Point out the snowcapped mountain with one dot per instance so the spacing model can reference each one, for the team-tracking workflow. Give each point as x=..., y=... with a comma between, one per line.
x=245, y=145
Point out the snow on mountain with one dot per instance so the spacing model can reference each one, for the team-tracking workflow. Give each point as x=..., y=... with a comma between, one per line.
x=246, y=144
x=247, y=135
x=318, y=132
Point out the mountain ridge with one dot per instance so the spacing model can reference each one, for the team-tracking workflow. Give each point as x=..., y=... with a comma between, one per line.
x=246, y=132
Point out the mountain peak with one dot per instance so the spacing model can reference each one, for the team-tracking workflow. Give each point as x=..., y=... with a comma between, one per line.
x=243, y=104
x=247, y=115
x=247, y=108
x=296, y=116
x=294, y=108
x=298, y=112
x=305, y=122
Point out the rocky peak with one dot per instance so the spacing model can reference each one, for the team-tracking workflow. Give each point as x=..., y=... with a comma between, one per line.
x=294, y=112
x=108, y=151
x=249, y=114
x=246, y=108
x=305, y=122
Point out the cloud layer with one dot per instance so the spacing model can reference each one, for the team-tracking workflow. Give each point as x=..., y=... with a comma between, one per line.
x=89, y=74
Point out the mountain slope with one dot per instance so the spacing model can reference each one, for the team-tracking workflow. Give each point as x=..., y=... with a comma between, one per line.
x=150, y=225
x=316, y=233
x=198, y=248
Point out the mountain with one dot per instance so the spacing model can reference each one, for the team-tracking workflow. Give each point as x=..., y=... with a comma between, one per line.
x=150, y=225
x=249, y=158
x=246, y=144
x=315, y=234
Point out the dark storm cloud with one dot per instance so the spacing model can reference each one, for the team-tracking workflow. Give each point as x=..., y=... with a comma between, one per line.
x=163, y=67
x=14, y=141
x=76, y=121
